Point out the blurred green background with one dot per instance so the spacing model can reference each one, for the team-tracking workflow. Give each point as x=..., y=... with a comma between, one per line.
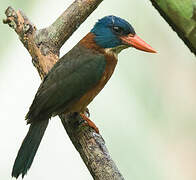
x=146, y=113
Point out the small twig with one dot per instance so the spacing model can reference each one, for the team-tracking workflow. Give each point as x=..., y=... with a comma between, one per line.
x=44, y=46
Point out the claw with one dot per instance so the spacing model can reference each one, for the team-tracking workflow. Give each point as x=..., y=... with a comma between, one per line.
x=89, y=122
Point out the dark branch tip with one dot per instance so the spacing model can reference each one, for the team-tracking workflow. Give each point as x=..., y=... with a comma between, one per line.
x=6, y=21
x=10, y=22
x=10, y=12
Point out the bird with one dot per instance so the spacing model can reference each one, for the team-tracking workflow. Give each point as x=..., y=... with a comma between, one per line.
x=75, y=80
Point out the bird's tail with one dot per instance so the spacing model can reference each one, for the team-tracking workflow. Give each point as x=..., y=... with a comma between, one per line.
x=29, y=148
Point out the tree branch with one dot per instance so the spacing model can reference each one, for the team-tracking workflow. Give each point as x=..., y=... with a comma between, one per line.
x=69, y=21
x=181, y=16
x=44, y=45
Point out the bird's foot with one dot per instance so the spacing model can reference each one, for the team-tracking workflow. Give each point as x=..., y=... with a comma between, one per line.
x=89, y=122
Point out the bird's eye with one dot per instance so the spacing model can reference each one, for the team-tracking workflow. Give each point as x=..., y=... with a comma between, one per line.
x=118, y=30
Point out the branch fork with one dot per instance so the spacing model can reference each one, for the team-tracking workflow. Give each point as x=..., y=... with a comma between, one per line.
x=44, y=46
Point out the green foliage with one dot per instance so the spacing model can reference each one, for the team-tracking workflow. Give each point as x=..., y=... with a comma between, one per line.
x=181, y=13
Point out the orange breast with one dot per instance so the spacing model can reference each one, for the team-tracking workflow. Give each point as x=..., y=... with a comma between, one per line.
x=83, y=102
x=111, y=62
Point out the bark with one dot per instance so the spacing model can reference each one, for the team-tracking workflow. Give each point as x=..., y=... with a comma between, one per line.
x=44, y=45
x=181, y=16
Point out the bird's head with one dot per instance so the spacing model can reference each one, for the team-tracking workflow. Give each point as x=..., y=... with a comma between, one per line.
x=117, y=34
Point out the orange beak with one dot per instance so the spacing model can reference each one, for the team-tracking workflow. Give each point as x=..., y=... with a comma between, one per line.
x=136, y=42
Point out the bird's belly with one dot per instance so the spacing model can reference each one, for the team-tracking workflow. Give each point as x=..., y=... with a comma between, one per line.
x=83, y=102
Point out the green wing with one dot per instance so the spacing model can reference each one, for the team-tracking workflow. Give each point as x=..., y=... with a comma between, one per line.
x=70, y=78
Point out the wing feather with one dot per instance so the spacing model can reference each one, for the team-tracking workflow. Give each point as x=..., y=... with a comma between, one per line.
x=70, y=78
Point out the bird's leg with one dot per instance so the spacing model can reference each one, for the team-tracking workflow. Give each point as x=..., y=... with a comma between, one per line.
x=89, y=122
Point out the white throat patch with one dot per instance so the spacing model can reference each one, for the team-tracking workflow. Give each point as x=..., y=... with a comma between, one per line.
x=115, y=51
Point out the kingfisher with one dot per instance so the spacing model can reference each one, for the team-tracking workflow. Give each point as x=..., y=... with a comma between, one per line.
x=75, y=80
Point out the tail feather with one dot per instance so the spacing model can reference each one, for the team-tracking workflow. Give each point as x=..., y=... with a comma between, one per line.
x=29, y=148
